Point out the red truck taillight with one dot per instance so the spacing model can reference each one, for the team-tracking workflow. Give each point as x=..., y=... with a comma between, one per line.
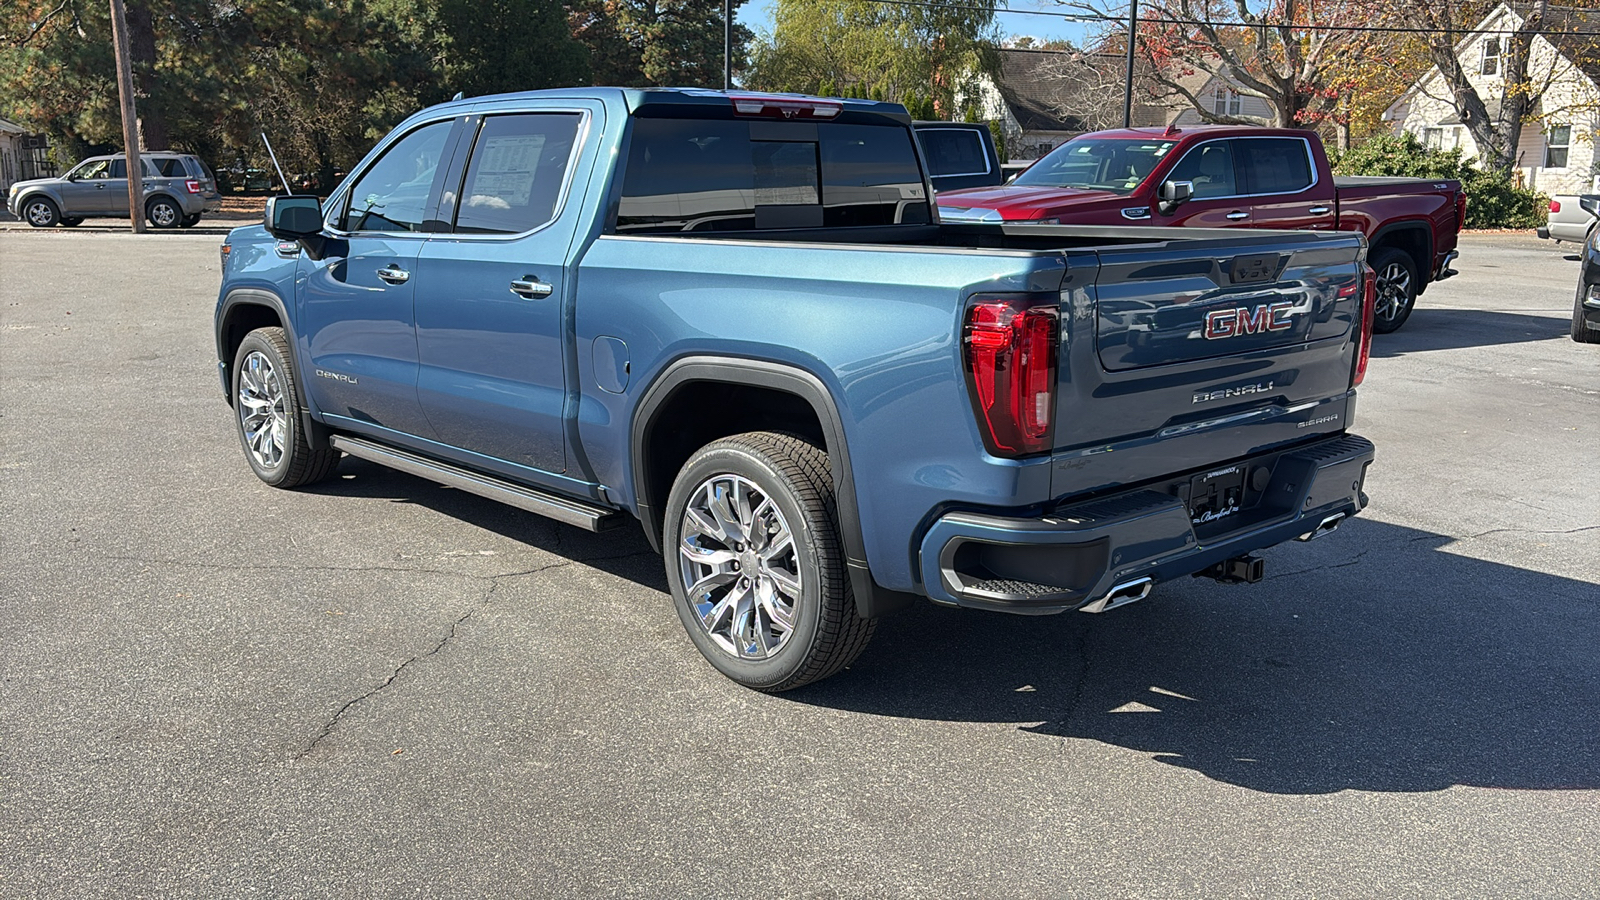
x=1009, y=348
x=1555, y=206
x=1369, y=307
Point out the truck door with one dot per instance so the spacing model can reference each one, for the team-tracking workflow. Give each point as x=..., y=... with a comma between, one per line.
x=356, y=306
x=1219, y=200
x=1281, y=177
x=492, y=293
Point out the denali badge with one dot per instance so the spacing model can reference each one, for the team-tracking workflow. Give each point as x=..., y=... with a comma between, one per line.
x=1227, y=323
x=336, y=376
x=1260, y=387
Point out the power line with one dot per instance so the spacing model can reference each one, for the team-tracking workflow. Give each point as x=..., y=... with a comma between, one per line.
x=1087, y=18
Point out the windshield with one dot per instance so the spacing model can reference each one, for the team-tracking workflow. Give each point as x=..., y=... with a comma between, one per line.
x=1116, y=165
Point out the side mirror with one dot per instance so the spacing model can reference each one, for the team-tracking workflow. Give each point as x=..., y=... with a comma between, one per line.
x=1173, y=194
x=293, y=218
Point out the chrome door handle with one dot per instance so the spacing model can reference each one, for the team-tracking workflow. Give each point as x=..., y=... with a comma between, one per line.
x=1236, y=216
x=1317, y=210
x=394, y=274
x=530, y=287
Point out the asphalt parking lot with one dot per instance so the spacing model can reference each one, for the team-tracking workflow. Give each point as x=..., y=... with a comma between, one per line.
x=384, y=688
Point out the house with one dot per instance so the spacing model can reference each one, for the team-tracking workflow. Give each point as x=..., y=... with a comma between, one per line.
x=1045, y=96
x=1556, y=152
x=13, y=152
x=1027, y=100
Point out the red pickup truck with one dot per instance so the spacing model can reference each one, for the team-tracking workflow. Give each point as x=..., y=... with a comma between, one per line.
x=1234, y=176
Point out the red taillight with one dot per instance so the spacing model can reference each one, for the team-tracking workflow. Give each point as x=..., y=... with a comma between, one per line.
x=785, y=107
x=1369, y=306
x=1009, y=349
x=1555, y=206
x=192, y=185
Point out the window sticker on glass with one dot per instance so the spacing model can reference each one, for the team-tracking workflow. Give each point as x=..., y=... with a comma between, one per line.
x=505, y=177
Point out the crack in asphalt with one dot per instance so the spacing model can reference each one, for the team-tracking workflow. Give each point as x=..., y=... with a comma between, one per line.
x=1340, y=565
x=1433, y=537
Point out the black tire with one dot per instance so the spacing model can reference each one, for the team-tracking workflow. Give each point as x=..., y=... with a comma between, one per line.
x=190, y=221
x=1397, y=271
x=826, y=634
x=163, y=212
x=265, y=352
x=1581, y=332
x=71, y=222
x=40, y=212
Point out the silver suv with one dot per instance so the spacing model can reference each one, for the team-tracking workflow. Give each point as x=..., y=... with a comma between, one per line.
x=178, y=189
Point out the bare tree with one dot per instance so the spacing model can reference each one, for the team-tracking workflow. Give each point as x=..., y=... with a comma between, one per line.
x=1270, y=52
x=1087, y=86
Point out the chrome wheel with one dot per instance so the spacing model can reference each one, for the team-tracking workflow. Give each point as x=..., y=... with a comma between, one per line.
x=263, y=412
x=163, y=214
x=39, y=214
x=740, y=572
x=1394, y=292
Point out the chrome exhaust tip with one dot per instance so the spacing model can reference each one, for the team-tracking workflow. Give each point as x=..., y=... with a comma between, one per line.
x=1121, y=595
x=1324, y=528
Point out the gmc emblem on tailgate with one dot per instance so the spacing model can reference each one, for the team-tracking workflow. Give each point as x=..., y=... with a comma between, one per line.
x=1227, y=323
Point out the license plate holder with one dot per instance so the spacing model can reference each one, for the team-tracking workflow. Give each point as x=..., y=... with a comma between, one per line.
x=1216, y=496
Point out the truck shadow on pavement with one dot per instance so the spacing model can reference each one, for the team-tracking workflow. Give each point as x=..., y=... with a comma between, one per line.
x=1379, y=660
x=1455, y=329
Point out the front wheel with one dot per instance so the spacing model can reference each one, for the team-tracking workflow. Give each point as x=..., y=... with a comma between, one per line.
x=755, y=563
x=1397, y=289
x=71, y=222
x=163, y=213
x=266, y=405
x=190, y=221
x=40, y=212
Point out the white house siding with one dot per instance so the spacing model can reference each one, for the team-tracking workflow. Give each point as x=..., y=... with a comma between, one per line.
x=1571, y=98
x=11, y=154
x=1249, y=105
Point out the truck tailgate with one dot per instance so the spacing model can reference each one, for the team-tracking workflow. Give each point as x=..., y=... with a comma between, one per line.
x=1196, y=352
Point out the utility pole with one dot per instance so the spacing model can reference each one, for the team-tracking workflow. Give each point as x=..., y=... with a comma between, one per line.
x=727, y=45
x=1127, y=89
x=130, y=120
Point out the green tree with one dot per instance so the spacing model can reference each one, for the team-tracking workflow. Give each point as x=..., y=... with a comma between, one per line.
x=498, y=46
x=936, y=49
x=639, y=43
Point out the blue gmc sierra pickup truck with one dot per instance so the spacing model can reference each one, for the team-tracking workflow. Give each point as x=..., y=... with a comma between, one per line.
x=738, y=319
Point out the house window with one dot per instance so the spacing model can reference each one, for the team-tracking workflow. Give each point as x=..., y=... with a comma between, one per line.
x=1226, y=102
x=1556, y=142
x=1491, y=56
x=1433, y=138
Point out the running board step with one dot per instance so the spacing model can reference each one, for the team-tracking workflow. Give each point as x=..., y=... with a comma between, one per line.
x=562, y=509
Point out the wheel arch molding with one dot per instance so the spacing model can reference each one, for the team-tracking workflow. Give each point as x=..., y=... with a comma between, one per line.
x=242, y=311
x=1415, y=238
x=652, y=480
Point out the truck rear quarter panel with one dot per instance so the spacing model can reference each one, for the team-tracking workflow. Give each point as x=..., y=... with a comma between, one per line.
x=881, y=329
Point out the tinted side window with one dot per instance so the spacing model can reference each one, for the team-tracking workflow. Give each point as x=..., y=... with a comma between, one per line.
x=119, y=168
x=1210, y=167
x=1275, y=165
x=953, y=151
x=393, y=195
x=735, y=175
x=518, y=167
x=169, y=167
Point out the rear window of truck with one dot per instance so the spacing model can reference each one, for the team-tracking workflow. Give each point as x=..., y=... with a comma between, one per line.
x=708, y=175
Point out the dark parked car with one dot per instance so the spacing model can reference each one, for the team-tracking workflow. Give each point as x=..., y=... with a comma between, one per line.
x=178, y=190
x=1586, y=305
x=959, y=155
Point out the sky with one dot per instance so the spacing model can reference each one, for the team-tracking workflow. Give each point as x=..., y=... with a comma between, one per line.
x=757, y=16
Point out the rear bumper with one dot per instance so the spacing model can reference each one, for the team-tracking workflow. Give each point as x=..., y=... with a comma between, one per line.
x=1079, y=554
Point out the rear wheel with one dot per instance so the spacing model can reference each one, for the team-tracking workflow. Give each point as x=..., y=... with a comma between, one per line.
x=190, y=221
x=755, y=563
x=163, y=213
x=40, y=212
x=267, y=412
x=1581, y=332
x=1397, y=289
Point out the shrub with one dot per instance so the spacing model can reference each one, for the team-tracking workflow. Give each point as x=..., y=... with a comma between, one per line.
x=1493, y=200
